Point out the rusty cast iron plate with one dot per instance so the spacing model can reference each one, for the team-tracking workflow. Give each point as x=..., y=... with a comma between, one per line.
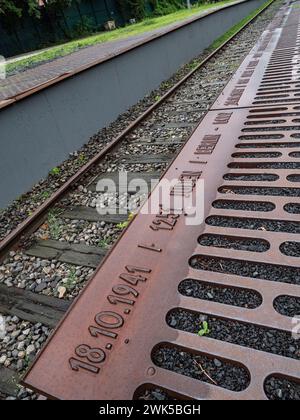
x=153, y=258
x=269, y=75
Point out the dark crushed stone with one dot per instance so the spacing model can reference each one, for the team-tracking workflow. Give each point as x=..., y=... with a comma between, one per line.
x=155, y=394
x=273, y=191
x=267, y=145
x=272, y=272
x=287, y=305
x=232, y=242
x=257, y=155
x=294, y=154
x=240, y=333
x=226, y=375
x=261, y=137
x=281, y=128
x=293, y=208
x=243, y=298
x=265, y=165
x=269, y=81
x=243, y=205
x=272, y=97
x=254, y=224
x=265, y=122
x=251, y=177
x=273, y=102
x=282, y=389
x=281, y=85
x=293, y=178
x=290, y=248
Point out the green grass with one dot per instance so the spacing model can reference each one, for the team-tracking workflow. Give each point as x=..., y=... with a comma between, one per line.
x=130, y=30
x=218, y=42
x=54, y=226
x=126, y=223
x=55, y=171
x=71, y=280
x=204, y=329
x=103, y=244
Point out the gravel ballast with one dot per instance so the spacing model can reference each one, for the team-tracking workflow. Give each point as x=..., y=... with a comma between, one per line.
x=293, y=208
x=291, y=249
x=288, y=306
x=222, y=373
x=271, y=191
x=264, y=271
x=264, y=165
x=155, y=394
x=278, y=388
x=254, y=224
x=243, y=205
x=267, y=145
x=232, y=242
x=227, y=295
x=243, y=334
x=19, y=346
x=251, y=177
x=43, y=276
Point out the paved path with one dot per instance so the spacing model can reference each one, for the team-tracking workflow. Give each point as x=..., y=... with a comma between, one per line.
x=33, y=78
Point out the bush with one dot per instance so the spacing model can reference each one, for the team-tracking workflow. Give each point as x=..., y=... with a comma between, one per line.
x=132, y=9
x=83, y=28
x=164, y=7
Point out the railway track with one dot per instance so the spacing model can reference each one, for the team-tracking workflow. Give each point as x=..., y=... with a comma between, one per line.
x=24, y=213
x=60, y=240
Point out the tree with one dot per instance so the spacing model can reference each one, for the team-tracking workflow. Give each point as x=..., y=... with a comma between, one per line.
x=16, y=8
x=10, y=8
x=33, y=8
x=138, y=8
x=132, y=9
x=10, y=12
x=54, y=12
x=58, y=4
x=164, y=7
